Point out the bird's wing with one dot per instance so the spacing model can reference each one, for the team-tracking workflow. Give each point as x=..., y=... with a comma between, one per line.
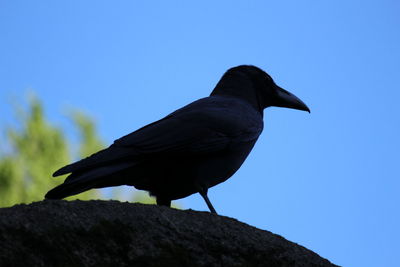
x=194, y=129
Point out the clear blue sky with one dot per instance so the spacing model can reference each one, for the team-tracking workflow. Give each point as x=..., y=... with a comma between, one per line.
x=328, y=180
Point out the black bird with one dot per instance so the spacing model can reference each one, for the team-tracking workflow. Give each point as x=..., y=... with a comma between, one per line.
x=190, y=150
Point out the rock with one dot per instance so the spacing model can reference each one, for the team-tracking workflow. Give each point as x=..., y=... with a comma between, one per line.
x=111, y=233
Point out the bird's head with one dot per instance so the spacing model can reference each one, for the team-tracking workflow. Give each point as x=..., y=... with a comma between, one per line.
x=257, y=87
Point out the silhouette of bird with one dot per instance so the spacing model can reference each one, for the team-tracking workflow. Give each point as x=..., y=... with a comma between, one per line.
x=190, y=150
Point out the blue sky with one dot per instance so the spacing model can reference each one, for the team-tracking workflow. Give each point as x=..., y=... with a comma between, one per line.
x=328, y=180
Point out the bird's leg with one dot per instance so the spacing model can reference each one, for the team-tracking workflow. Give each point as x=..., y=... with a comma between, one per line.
x=163, y=202
x=203, y=193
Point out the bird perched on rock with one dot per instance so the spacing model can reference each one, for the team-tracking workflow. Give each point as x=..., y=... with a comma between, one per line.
x=190, y=150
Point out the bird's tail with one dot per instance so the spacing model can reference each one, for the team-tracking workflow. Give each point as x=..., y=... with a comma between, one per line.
x=66, y=190
x=79, y=182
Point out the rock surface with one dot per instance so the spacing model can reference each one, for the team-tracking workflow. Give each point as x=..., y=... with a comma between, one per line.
x=111, y=233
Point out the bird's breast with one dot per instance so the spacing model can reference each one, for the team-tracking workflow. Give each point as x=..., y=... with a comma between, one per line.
x=221, y=166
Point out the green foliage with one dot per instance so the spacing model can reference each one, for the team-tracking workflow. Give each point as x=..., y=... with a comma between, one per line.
x=34, y=149
x=89, y=143
x=37, y=149
x=143, y=197
x=89, y=140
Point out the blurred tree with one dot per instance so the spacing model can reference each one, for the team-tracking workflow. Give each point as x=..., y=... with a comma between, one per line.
x=89, y=140
x=89, y=143
x=37, y=149
x=34, y=149
x=143, y=197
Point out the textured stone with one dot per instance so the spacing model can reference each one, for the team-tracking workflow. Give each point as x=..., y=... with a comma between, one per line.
x=111, y=233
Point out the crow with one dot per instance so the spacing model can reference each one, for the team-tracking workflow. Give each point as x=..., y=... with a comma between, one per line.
x=192, y=149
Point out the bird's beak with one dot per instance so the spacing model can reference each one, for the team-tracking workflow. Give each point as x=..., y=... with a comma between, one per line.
x=286, y=99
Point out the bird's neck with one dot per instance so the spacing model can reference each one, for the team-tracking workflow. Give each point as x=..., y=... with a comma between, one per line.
x=239, y=87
